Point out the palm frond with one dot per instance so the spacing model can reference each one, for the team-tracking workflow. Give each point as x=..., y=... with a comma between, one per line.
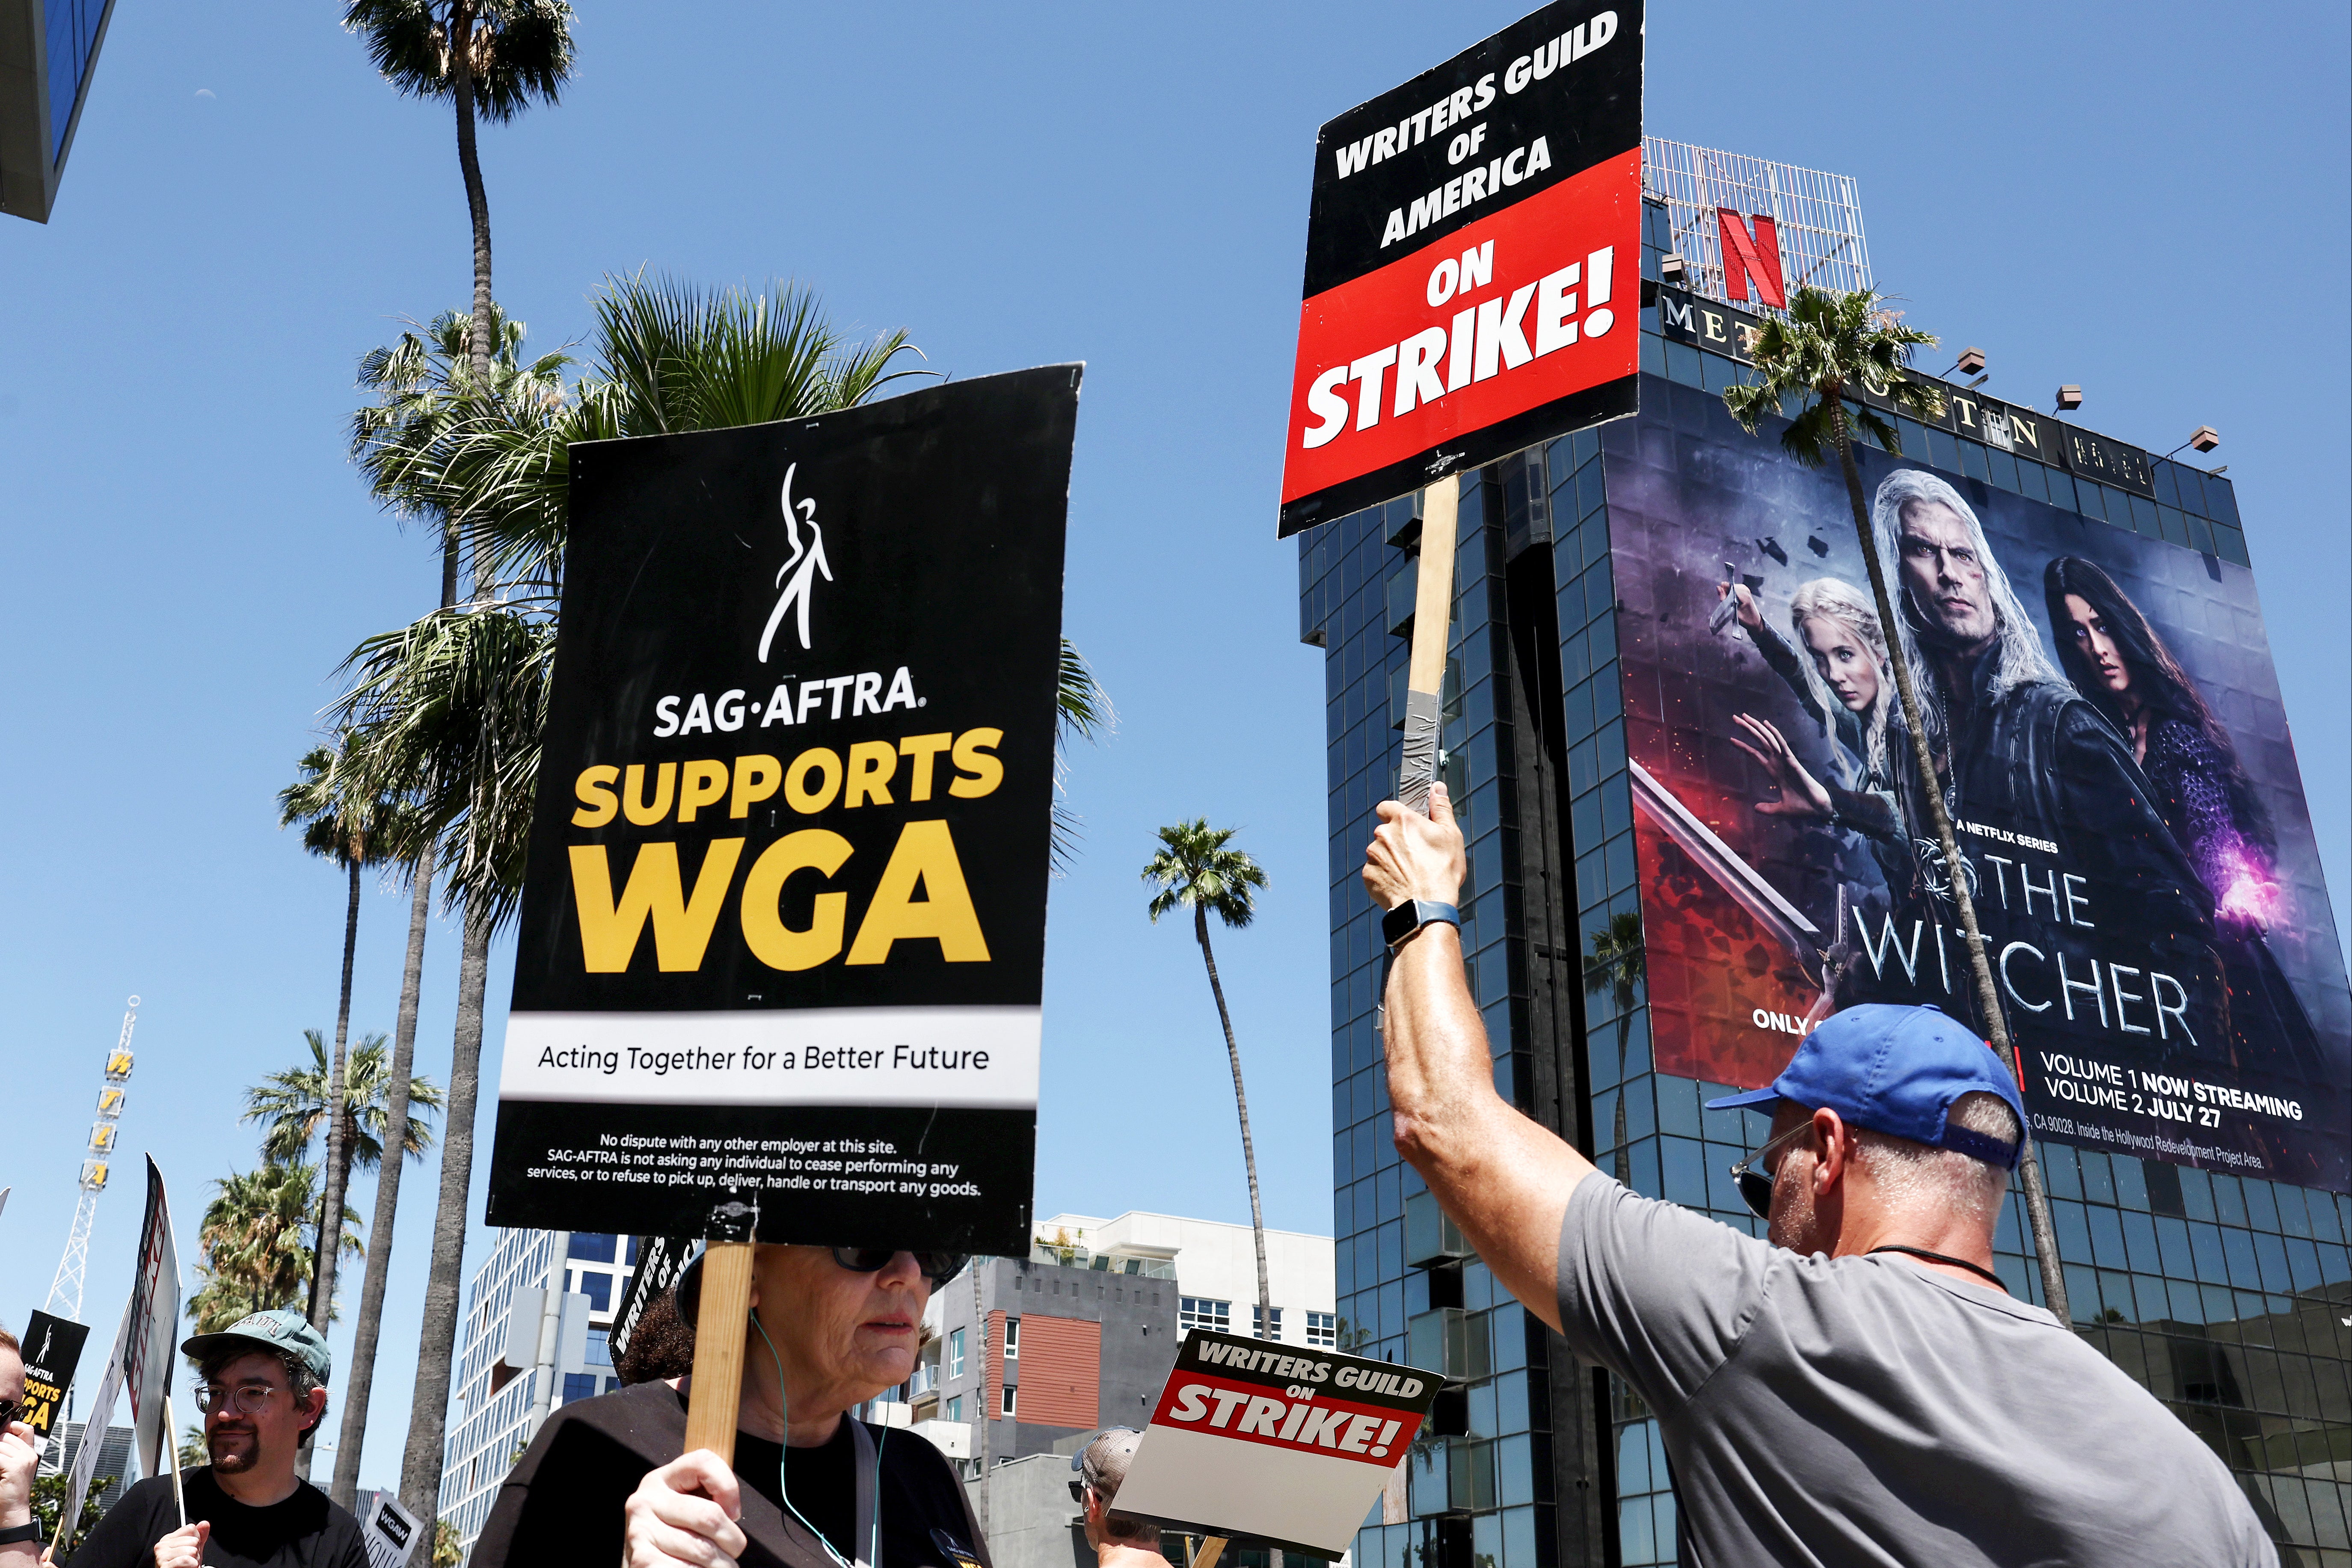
x=519, y=50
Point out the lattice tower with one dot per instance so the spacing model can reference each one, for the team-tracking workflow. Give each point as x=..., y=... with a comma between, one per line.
x=65, y=1290
x=1819, y=216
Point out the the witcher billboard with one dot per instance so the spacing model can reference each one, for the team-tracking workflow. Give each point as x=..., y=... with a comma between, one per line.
x=2110, y=744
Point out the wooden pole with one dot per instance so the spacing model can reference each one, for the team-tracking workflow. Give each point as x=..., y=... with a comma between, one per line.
x=722, y=1331
x=1214, y=1546
x=1432, y=611
x=171, y=1446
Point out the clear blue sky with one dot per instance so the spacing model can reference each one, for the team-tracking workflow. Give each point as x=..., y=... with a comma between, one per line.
x=2147, y=199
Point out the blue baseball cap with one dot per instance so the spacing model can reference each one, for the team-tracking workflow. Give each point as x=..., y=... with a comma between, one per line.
x=1896, y=1070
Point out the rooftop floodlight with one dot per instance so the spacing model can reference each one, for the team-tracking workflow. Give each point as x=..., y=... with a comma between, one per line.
x=2204, y=438
x=1670, y=268
x=1970, y=363
x=2069, y=397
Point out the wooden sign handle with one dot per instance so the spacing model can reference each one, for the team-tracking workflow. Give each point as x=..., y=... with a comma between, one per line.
x=722, y=1331
x=1433, y=610
x=1212, y=1548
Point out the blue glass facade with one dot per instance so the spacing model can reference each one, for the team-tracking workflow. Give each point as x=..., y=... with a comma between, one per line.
x=72, y=27
x=2230, y=1298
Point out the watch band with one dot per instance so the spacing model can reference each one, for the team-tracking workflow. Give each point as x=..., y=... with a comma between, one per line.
x=29, y=1531
x=1411, y=915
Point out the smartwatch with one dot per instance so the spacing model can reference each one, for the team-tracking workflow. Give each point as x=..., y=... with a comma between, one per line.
x=15, y=1534
x=1411, y=915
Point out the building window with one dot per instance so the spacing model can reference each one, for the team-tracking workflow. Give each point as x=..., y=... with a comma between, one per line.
x=1323, y=1329
x=1012, y=1339
x=1009, y=1392
x=592, y=1246
x=1200, y=1313
x=598, y=1286
x=579, y=1386
x=955, y=1353
x=1257, y=1323
x=955, y=1407
x=599, y=1348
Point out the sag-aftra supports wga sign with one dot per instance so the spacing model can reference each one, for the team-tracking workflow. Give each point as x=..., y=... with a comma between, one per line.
x=783, y=921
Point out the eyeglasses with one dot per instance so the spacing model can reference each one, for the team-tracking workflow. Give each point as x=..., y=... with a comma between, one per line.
x=11, y=1412
x=1756, y=1186
x=244, y=1399
x=938, y=1268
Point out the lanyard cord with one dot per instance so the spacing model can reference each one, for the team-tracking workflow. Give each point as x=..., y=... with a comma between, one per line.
x=874, y=1528
x=1939, y=1257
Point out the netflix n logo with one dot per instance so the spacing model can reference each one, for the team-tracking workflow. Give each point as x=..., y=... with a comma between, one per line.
x=1750, y=256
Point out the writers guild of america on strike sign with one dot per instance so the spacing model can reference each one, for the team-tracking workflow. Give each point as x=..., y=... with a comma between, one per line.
x=783, y=924
x=1472, y=262
x=1270, y=1445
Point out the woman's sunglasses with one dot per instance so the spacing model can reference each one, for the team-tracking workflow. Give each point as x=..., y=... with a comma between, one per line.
x=938, y=1268
x=1756, y=1184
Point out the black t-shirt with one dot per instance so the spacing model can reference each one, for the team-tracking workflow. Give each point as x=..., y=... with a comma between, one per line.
x=562, y=1504
x=306, y=1530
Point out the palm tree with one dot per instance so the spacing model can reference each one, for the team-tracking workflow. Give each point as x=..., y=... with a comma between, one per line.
x=489, y=58
x=425, y=393
x=1196, y=868
x=1618, y=964
x=448, y=712
x=255, y=1255
x=1082, y=711
x=346, y=829
x=292, y=1105
x=1831, y=344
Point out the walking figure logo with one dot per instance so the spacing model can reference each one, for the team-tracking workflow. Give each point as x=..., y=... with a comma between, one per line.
x=807, y=557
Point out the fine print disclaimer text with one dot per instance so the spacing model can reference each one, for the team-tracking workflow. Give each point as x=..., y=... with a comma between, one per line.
x=871, y=1166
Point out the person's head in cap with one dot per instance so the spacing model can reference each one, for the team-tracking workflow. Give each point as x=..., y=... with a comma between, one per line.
x=1102, y=1467
x=1891, y=1126
x=262, y=1383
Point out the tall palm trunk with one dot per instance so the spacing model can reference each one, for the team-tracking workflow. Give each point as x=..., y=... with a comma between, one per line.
x=339, y=1155
x=2029, y=1166
x=370, y=1326
x=477, y=199
x=1241, y=1104
x=339, y=1142
x=428, y=1417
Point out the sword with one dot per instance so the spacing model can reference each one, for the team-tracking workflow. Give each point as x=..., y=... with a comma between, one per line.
x=1724, y=867
x=1729, y=606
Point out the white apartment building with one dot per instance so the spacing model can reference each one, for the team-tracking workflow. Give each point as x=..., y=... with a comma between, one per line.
x=498, y=1346
x=1215, y=1267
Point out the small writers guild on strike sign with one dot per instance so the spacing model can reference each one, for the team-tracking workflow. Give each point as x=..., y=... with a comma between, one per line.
x=1265, y=1443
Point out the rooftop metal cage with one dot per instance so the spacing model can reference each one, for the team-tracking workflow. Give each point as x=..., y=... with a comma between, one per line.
x=1819, y=216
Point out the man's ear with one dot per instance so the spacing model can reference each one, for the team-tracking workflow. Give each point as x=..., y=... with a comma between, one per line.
x=1836, y=1145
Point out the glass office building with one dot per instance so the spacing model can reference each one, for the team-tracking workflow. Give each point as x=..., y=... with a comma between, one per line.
x=2229, y=1297
x=47, y=49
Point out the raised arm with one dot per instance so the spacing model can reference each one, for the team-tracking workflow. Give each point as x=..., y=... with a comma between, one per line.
x=1500, y=1177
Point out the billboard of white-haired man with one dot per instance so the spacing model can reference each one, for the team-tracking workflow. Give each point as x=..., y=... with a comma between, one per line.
x=2112, y=750
x=2016, y=745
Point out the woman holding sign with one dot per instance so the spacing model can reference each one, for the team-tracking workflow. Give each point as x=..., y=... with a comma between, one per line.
x=830, y=1327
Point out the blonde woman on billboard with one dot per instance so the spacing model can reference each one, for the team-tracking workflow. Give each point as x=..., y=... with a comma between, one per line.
x=1844, y=686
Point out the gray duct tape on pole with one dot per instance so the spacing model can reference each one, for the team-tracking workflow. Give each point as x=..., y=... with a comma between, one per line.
x=1418, y=767
x=1432, y=608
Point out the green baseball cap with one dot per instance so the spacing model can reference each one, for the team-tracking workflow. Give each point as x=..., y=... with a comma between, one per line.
x=282, y=1328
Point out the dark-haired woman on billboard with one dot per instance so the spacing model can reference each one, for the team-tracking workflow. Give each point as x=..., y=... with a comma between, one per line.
x=2117, y=660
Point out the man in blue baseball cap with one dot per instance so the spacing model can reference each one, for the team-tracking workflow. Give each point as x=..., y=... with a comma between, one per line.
x=1860, y=1388
x=262, y=1383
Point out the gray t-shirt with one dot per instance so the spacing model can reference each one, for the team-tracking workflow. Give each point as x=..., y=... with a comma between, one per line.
x=1868, y=1410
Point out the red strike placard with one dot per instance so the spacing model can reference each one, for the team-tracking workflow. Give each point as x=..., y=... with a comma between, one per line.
x=1501, y=317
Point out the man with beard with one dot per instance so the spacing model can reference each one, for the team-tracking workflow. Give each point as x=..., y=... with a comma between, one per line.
x=2017, y=747
x=262, y=1383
